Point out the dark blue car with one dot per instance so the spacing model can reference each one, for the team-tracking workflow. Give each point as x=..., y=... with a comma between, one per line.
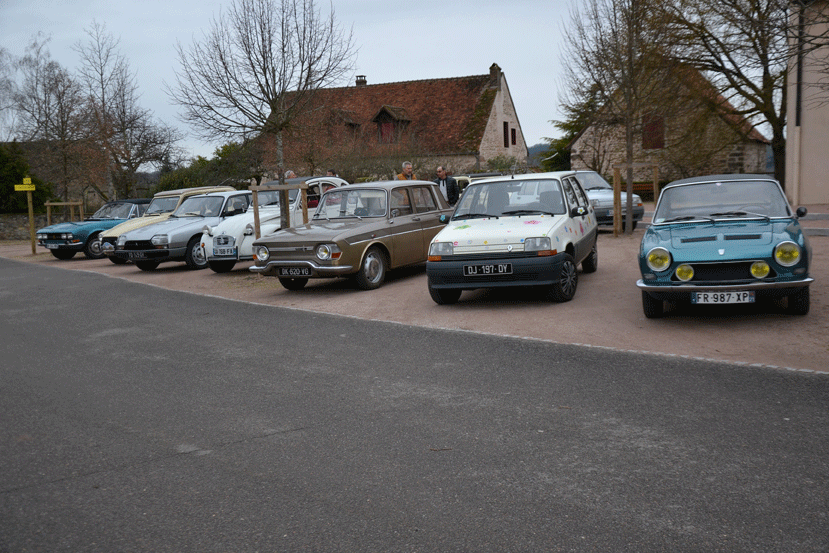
x=64, y=240
x=724, y=239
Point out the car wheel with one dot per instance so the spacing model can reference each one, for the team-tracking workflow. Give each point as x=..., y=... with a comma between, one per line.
x=117, y=260
x=194, y=256
x=372, y=271
x=293, y=283
x=63, y=254
x=652, y=307
x=799, y=302
x=146, y=265
x=92, y=248
x=221, y=266
x=568, y=280
x=591, y=262
x=444, y=296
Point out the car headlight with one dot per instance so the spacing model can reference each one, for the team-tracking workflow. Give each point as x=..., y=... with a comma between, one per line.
x=326, y=252
x=41, y=237
x=537, y=244
x=787, y=253
x=248, y=229
x=208, y=230
x=122, y=240
x=658, y=259
x=67, y=236
x=684, y=272
x=262, y=253
x=160, y=240
x=760, y=269
x=439, y=249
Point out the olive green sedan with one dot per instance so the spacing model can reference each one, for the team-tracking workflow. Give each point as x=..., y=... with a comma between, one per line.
x=358, y=231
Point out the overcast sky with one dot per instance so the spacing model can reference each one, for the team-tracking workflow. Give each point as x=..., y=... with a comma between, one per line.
x=396, y=41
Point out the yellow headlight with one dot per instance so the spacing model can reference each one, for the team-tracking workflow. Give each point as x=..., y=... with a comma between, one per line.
x=684, y=272
x=787, y=253
x=760, y=269
x=659, y=259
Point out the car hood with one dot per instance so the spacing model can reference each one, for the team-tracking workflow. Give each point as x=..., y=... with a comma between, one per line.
x=489, y=234
x=173, y=225
x=132, y=224
x=722, y=240
x=82, y=226
x=605, y=195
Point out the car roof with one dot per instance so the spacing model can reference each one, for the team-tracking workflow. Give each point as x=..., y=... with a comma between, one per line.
x=388, y=184
x=527, y=176
x=194, y=189
x=721, y=178
x=131, y=201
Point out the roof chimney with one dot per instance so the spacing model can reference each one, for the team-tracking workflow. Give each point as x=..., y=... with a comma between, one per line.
x=361, y=80
x=495, y=75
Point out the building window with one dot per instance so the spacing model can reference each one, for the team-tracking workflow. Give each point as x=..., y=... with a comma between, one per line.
x=387, y=134
x=653, y=132
x=506, y=134
x=513, y=137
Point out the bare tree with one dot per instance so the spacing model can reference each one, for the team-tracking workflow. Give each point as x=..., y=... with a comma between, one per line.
x=124, y=130
x=616, y=51
x=742, y=47
x=258, y=68
x=7, y=91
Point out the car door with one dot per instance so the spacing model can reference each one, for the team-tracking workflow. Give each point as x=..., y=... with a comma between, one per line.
x=584, y=225
x=407, y=239
x=427, y=212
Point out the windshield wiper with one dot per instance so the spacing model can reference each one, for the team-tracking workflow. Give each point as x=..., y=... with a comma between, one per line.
x=523, y=212
x=739, y=214
x=687, y=218
x=475, y=216
x=192, y=214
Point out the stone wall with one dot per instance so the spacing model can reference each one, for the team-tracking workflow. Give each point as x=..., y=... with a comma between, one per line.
x=16, y=226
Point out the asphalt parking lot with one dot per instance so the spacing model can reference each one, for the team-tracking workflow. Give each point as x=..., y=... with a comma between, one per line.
x=605, y=313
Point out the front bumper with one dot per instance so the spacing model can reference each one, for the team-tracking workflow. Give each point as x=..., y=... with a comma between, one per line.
x=174, y=254
x=676, y=292
x=314, y=270
x=604, y=216
x=526, y=271
x=61, y=245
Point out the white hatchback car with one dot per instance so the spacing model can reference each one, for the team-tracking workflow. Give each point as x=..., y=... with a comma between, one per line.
x=522, y=230
x=232, y=239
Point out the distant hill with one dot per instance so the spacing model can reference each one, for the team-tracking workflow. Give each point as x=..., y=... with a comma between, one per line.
x=535, y=152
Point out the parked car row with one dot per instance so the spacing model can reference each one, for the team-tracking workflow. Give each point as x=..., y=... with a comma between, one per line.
x=723, y=239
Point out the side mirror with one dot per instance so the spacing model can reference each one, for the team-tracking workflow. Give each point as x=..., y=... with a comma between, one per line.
x=444, y=218
x=801, y=212
x=578, y=212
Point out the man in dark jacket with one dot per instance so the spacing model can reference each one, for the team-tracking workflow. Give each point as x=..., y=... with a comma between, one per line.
x=448, y=186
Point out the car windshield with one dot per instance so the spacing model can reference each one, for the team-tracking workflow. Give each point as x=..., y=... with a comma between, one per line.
x=511, y=197
x=348, y=202
x=271, y=197
x=200, y=206
x=721, y=200
x=162, y=205
x=113, y=211
x=590, y=180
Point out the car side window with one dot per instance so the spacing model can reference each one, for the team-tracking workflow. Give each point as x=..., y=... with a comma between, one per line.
x=568, y=191
x=236, y=205
x=424, y=200
x=401, y=202
x=583, y=201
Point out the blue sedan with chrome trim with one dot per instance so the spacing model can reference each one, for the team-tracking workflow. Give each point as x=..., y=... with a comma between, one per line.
x=724, y=239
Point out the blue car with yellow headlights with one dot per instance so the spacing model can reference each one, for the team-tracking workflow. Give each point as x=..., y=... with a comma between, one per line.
x=724, y=239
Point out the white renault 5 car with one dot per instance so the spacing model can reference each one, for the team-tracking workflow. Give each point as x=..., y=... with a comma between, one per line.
x=231, y=241
x=522, y=230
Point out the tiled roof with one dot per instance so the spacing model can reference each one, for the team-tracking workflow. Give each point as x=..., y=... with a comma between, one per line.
x=445, y=115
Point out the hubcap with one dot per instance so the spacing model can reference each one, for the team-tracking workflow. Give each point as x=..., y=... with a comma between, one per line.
x=373, y=267
x=568, y=278
x=198, y=255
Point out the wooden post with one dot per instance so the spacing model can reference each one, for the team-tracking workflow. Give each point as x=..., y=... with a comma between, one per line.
x=31, y=220
x=655, y=183
x=617, y=201
x=283, y=202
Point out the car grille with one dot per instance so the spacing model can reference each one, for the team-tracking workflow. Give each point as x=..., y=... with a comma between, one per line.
x=489, y=255
x=224, y=240
x=139, y=245
x=723, y=272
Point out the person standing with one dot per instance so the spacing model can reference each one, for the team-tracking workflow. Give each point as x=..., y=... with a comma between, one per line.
x=448, y=186
x=407, y=172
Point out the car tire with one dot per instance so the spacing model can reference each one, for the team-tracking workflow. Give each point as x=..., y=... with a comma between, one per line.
x=146, y=265
x=568, y=280
x=92, y=248
x=221, y=266
x=372, y=270
x=444, y=296
x=194, y=256
x=63, y=254
x=591, y=262
x=117, y=260
x=652, y=307
x=798, y=303
x=293, y=283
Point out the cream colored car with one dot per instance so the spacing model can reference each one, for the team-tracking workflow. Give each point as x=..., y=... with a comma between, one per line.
x=161, y=207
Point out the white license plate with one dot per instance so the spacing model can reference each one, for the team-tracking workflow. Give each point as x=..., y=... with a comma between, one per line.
x=224, y=251
x=51, y=246
x=722, y=297
x=136, y=255
x=488, y=269
x=294, y=271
